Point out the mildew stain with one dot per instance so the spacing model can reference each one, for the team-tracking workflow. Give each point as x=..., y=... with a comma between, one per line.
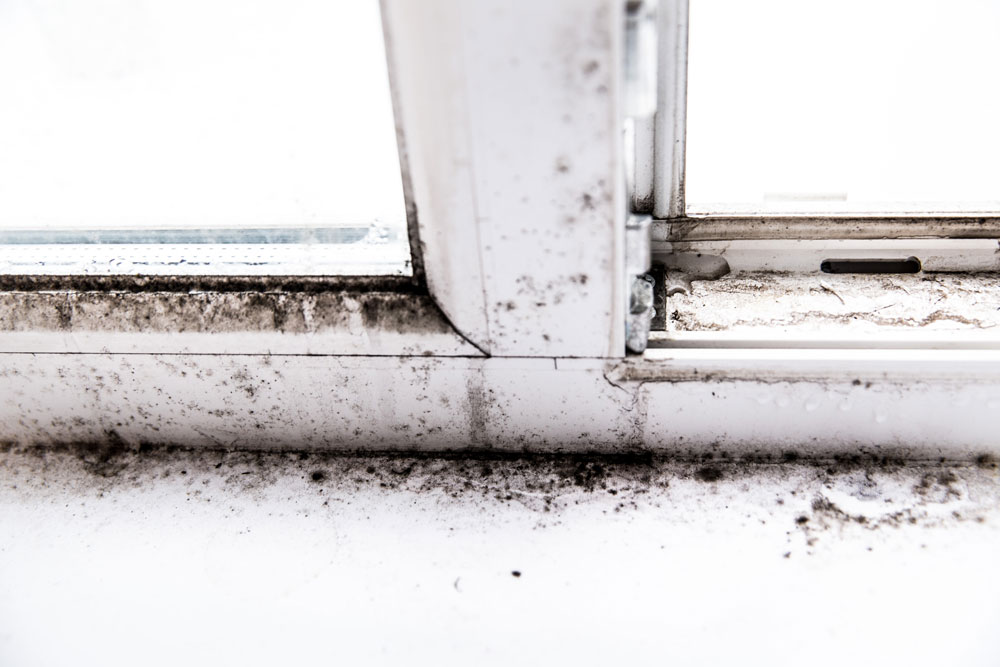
x=218, y=312
x=812, y=498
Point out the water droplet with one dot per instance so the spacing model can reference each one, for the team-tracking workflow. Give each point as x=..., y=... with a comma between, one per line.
x=845, y=405
x=813, y=403
x=881, y=416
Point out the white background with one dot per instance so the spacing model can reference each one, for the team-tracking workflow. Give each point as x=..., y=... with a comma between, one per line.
x=884, y=105
x=188, y=113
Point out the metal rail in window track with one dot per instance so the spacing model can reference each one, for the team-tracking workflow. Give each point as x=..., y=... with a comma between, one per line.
x=725, y=228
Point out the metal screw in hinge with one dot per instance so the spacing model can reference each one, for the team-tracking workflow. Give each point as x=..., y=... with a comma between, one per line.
x=640, y=284
x=640, y=313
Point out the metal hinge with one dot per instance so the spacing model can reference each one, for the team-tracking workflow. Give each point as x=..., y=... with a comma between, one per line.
x=640, y=311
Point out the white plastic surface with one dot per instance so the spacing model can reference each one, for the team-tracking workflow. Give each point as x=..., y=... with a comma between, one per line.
x=247, y=560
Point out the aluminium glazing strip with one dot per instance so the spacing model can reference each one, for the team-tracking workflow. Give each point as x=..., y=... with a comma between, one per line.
x=805, y=227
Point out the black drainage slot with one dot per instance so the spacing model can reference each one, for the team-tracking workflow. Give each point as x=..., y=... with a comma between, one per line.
x=908, y=265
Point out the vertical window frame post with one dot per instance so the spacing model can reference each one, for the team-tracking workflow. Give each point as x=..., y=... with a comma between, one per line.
x=671, y=116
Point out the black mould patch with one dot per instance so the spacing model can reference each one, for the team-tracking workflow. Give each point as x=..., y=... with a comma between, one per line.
x=708, y=474
x=857, y=494
x=986, y=461
x=218, y=311
x=189, y=284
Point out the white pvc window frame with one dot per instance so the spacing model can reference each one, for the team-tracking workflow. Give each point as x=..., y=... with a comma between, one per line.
x=666, y=176
x=516, y=225
x=510, y=115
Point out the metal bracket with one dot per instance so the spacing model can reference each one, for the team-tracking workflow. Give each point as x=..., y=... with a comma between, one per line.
x=640, y=312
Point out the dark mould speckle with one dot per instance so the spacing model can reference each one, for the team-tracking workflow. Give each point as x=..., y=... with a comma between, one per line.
x=708, y=474
x=986, y=461
x=197, y=284
x=218, y=311
x=64, y=311
x=546, y=484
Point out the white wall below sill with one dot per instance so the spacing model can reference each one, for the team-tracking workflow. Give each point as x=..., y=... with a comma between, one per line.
x=203, y=558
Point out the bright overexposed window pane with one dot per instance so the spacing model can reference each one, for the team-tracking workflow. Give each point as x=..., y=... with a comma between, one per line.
x=144, y=127
x=843, y=106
